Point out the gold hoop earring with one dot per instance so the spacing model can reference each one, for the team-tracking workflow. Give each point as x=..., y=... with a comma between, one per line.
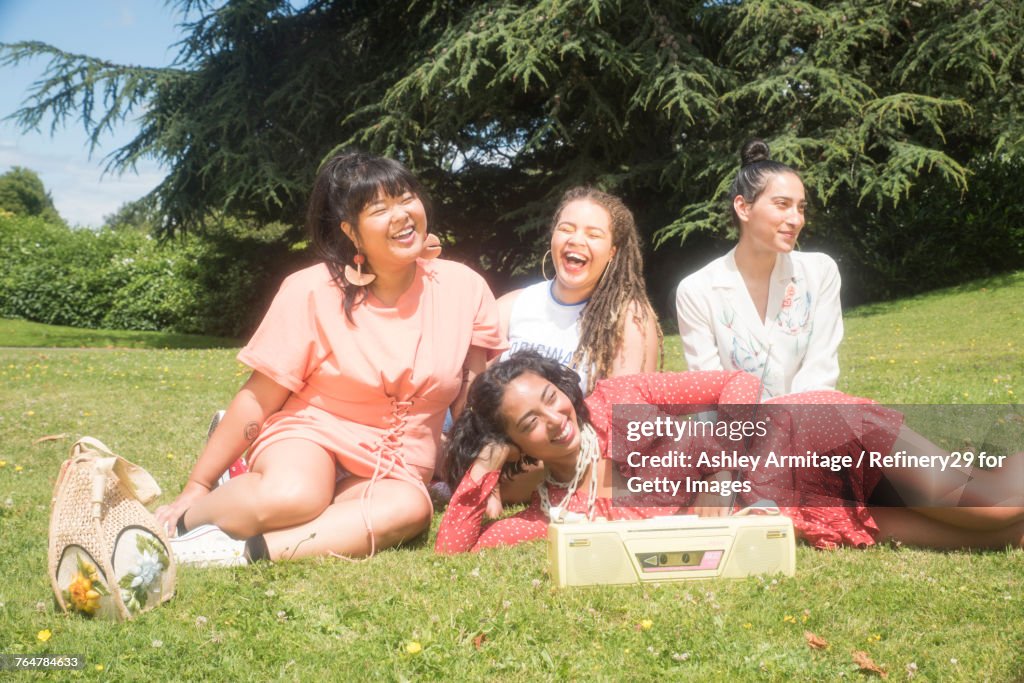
x=543, y=270
x=356, y=276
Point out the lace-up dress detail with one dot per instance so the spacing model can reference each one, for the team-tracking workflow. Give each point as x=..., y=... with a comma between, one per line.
x=372, y=390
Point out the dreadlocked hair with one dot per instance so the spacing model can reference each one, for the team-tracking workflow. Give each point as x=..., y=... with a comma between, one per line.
x=620, y=293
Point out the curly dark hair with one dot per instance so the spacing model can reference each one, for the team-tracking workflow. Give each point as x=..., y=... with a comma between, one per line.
x=481, y=422
x=345, y=183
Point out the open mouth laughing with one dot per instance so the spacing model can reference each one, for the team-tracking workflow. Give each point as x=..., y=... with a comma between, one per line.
x=574, y=261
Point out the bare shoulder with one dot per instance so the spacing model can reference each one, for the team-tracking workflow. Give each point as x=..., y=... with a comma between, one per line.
x=505, y=304
x=509, y=298
x=640, y=341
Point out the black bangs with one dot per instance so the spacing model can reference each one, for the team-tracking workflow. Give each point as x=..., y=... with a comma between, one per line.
x=370, y=178
x=345, y=184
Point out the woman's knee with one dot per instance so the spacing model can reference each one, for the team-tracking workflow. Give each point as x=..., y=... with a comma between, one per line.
x=291, y=502
x=418, y=515
x=408, y=519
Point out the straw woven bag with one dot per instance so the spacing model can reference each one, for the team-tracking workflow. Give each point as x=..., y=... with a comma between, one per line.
x=108, y=556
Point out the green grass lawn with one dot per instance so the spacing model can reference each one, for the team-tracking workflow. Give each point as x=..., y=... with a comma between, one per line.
x=410, y=615
x=23, y=333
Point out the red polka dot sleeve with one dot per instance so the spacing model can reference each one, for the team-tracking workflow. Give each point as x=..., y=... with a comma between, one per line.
x=463, y=529
x=674, y=393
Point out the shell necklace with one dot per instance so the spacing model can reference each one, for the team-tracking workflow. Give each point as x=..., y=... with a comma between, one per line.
x=588, y=455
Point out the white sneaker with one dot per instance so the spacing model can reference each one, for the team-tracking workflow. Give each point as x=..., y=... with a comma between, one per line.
x=208, y=546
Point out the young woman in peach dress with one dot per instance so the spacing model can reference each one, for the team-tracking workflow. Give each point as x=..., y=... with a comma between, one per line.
x=354, y=366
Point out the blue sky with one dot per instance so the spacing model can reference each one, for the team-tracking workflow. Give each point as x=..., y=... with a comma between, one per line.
x=140, y=32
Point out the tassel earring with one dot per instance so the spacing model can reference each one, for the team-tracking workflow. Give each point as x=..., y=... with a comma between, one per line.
x=355, y=276
x=431, y=247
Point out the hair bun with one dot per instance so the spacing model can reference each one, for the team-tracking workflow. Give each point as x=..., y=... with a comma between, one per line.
x=754, y=151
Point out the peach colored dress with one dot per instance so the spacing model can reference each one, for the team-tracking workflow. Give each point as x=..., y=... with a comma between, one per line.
x=372, y=391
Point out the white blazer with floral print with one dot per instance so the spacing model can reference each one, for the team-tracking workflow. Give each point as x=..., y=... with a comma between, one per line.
x=795, y=349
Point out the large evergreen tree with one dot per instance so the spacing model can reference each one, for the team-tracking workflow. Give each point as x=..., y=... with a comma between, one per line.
x=894, y=111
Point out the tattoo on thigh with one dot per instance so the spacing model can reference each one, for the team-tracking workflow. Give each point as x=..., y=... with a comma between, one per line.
x=252, y=430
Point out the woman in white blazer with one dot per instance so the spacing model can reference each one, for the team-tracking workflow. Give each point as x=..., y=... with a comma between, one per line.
x=763, y=307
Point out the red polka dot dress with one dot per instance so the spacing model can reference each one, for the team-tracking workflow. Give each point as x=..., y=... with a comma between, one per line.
x=463, y=527
x=828, y=508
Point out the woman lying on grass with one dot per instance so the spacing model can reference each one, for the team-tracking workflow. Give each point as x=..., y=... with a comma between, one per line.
x=530, y=407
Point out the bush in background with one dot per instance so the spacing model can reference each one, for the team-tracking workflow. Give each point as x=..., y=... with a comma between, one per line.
x=216, y=283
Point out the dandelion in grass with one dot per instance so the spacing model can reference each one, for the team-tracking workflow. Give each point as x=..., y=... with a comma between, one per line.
x=44, y=635
x=98, y=667
x=18, y=468
x=646, y=625
x=413, y=648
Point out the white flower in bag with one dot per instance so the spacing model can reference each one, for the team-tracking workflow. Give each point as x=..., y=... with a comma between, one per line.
x=147, y=569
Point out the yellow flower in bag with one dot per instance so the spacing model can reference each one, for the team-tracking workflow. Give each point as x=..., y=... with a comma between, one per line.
x=84, y=592
x=83, y=597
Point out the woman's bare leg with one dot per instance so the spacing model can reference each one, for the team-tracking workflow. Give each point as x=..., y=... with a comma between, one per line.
x=397, y=510
x=292, y=482
x=971, y=498
x=910, y=527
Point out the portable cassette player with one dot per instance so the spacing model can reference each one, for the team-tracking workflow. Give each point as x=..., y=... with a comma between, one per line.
x=675, y=548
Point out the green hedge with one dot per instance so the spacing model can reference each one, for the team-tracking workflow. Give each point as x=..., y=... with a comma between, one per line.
x=217, y=284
